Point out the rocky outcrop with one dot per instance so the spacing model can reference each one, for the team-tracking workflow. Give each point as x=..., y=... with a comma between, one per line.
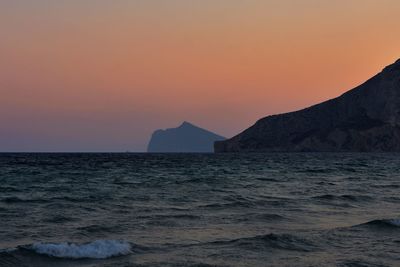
x=366, y=118
x=185, y=138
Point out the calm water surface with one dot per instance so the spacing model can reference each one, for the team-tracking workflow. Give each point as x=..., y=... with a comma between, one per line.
x=310, y=209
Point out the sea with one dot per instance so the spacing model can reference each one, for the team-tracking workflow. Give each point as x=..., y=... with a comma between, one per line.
x=200, y=210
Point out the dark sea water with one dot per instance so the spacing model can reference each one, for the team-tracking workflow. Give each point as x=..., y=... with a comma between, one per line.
x=201, y=210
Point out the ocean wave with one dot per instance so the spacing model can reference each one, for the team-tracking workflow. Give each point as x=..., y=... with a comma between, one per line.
x=58, y=218
x=9, y=189
x=354, y=198
x=16, y=200
x=99, y=249
x=234, y=204
x=169, y=216
x=273, y=241
x=265, y=217
x=318, y=170
x=95, y=228
x=385, y=223
x=250, y=202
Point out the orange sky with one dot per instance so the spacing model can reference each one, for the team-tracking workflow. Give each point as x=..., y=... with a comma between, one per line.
x=101, y=75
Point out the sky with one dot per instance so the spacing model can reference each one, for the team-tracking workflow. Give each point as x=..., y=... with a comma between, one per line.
x=99, y=75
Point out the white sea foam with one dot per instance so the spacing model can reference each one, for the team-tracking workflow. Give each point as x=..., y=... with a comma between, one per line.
x=395, y=222
x=99, y=249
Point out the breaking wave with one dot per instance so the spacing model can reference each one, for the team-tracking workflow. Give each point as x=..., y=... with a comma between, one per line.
x=99, y=249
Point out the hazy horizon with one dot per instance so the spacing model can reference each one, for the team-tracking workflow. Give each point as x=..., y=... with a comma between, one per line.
x=101, y=76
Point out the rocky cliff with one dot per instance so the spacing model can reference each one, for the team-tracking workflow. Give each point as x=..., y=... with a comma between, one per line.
x=366, y=118
x=185, y=138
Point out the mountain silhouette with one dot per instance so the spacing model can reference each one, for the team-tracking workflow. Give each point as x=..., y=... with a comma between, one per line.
x=185, y=138
x=366, y=118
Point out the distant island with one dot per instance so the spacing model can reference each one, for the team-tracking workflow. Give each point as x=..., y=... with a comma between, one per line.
x=187, y=138
x=366, y=118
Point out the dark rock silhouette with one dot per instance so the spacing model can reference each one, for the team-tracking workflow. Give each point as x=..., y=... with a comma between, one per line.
x=366, y=118
x=185, y=138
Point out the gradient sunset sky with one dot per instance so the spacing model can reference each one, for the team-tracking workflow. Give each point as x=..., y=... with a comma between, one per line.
x=100, y=75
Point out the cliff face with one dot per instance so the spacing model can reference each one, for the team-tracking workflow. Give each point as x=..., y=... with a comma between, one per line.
x=185, y=138
x=366, y=118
